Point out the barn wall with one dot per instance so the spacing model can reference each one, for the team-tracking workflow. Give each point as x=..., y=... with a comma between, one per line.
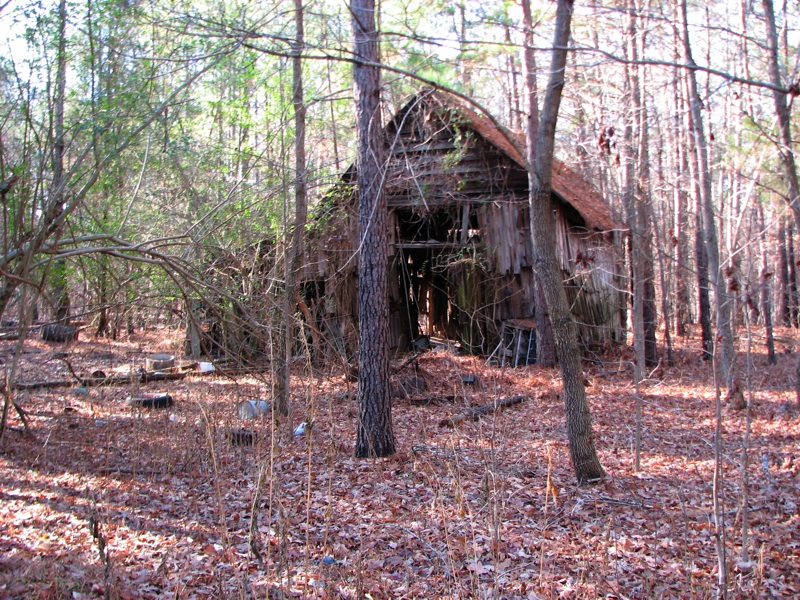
x=459, y=201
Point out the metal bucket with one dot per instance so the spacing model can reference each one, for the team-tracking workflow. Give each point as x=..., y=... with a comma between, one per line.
x=250, y=409
x=157, y=362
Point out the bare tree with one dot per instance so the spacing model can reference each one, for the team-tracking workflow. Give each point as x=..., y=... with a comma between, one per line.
x=295, y=251
x=716, y=270
x=540, y=157
x=636, y=197
x=782, y=111
x=545, y=345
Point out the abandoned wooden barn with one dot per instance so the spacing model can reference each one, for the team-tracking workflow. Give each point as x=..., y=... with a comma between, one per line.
x=460, y=252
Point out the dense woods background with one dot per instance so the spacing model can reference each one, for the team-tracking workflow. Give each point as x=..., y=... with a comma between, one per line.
x=161, y=165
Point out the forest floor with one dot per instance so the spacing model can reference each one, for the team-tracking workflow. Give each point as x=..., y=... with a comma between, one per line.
x=108, y=500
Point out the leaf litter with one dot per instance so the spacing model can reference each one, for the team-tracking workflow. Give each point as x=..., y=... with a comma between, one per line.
x=119, y=501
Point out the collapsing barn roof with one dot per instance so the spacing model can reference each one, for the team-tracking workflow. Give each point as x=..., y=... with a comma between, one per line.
x=460, y=248
x=568, y=186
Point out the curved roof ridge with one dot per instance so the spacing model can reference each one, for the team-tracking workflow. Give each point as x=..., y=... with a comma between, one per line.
x=569, y=185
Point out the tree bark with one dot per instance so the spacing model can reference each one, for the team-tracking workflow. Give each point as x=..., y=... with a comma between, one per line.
x=783, y=114
x=791, y=256
x=784, y=302
x=293, y=259
x=680, y=239
x=579, y=423
x=723, y=302
x=786, y=151
x=636, y=201
x=545, y=345
x=703, y=285
x=766, y=276
x=375, y=436
x=640, y=213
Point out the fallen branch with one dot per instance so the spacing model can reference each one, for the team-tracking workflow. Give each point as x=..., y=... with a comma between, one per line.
x=105, y=471
x=475, y=414
x=431, y=400
x=408, y=362
x=34, y=385
x=139, y=377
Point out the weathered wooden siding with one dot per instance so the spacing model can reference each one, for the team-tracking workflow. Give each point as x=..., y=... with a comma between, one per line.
x=460, y=202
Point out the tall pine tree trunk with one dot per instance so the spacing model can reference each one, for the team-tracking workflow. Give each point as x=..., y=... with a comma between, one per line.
x=375, y=436
x=565, y=333
x=691, y=163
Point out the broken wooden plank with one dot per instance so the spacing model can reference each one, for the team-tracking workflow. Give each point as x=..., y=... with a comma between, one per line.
x=475, y=414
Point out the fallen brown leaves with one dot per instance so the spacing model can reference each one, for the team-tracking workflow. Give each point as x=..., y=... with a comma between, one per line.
x=489, y=509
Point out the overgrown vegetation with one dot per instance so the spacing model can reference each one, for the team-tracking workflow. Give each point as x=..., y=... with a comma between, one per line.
x=148, y=194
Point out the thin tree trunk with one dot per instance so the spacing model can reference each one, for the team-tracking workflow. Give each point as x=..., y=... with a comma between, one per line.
x=58, y=101
x=465, y=70
x=515, y=116
x=545, y=344
x=680, y=241
x=60, y=295
x=102, y=321
x=690, y=163
x=783, y=114
x=529, y=64
x=727, y=358
x=334, y=128
x=579, y=423
x=703, y=287
x=300, y=213
x=723, y=302
x=791, y=259
x=635, y=239
x=784, y=316
x=637, y=205
x=766, y=277
x=665, y=307
x=375, y=436
x=787, y=157
x=644, y=217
